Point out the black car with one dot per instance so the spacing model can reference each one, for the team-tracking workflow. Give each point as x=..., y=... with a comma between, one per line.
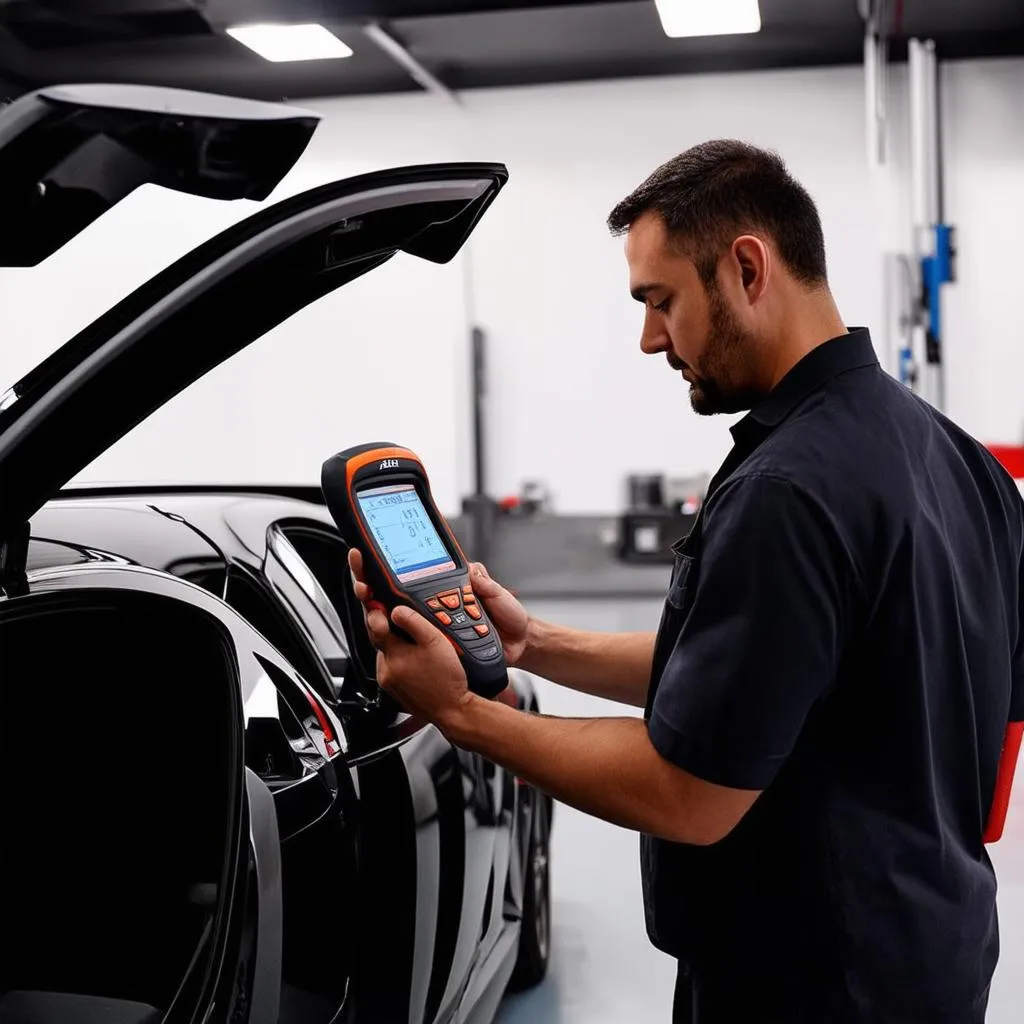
x=211, y=812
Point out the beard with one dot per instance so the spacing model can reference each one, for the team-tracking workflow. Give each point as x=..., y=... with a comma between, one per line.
x=716, y=390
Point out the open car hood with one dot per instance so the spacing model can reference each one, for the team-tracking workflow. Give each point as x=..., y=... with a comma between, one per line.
x=211, y=303
x=69, y=153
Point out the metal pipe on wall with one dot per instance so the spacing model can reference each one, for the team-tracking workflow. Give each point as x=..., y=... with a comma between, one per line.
x=913, y=360
x=920, y=155
x=875, y=94
x=931, y=237
x=876, y=71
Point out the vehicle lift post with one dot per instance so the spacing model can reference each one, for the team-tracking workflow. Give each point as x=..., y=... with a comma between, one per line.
x=480, y=511
x=920, y=358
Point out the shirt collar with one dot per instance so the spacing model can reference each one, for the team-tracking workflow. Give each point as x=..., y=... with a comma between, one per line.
x=849, y=351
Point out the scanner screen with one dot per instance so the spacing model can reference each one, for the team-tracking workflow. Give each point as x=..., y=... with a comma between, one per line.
x=404, y=532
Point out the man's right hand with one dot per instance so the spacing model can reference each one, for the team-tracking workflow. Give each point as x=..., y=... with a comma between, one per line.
x=508, y=616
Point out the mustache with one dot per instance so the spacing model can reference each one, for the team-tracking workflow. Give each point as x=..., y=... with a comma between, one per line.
x=675, y=362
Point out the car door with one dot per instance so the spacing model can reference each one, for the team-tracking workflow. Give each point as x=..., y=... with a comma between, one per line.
x=67, y=155
x=143, y=815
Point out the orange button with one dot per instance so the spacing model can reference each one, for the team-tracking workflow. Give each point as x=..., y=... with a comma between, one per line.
x=450, y=601
x=468, y=589
x=482, y=630
x=444, y=618
x=433, y=604
x=473, y=612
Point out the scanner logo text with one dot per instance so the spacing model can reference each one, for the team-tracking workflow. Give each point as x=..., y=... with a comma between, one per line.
x=389, y=464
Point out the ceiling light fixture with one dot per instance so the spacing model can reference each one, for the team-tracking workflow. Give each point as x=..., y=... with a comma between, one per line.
x=290, y=42
x=708, y=17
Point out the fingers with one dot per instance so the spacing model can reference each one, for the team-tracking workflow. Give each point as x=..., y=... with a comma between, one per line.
x=482, y=582
x=355, y=562
x=421, y=631
x=377, y=626
x=359, y=585
x=411, y=622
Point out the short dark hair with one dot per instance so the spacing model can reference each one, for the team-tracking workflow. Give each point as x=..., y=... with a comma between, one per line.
x=715, y=191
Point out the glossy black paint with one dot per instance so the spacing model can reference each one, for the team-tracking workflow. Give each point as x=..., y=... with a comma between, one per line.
x=69, y=153
x=403, y=875
x=243, y=982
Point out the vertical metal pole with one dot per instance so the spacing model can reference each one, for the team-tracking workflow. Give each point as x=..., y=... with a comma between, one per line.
x=920, y=199
x=871, y=98
x=941, y=247
x=929, y=241
x=924, y=233
x=876, y=60
x=479, y=399
x=912, y=356
x=479, y=510
x=926, y=213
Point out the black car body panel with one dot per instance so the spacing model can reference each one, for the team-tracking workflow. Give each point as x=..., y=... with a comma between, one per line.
x=70, y=153
x=129, y=866
x=438, y=856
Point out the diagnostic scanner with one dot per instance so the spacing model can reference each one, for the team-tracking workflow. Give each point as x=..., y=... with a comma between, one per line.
x=380, y=498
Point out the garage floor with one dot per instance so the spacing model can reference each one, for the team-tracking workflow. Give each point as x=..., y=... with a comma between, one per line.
x=603, y=971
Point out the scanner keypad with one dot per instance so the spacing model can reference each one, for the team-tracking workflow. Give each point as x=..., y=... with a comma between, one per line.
x=460, y=608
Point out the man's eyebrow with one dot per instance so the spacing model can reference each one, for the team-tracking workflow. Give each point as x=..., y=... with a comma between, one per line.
x=641, y=290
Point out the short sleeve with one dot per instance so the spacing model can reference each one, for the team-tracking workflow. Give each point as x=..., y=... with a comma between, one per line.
x=762, y=638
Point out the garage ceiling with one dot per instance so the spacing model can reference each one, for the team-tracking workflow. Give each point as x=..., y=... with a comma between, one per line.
x=464, y=43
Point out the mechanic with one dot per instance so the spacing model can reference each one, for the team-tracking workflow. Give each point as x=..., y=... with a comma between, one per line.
x=839, y=656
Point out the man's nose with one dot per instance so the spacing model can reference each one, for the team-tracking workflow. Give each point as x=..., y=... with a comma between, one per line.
x=654, y=338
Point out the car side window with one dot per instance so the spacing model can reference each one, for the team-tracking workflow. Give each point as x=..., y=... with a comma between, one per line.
x=300, y=587
x=258, y=607
x=326, y=555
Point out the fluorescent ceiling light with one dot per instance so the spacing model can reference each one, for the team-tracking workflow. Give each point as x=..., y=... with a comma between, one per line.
x=708, y=17
x=290, y=42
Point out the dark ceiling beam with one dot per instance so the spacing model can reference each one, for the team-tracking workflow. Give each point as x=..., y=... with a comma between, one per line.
x=426, y=8
x=224, y=11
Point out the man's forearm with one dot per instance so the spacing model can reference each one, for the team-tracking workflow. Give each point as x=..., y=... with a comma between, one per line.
x=616, y=666
x=603, y=766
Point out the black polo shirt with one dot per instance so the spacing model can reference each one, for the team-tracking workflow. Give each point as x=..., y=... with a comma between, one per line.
x=843, y=632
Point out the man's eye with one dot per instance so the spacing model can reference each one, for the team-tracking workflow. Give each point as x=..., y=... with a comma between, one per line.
x=661, y=307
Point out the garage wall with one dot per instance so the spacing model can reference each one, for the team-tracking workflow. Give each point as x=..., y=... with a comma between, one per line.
x=573, y=402
x=552, y=284
x=984, y=144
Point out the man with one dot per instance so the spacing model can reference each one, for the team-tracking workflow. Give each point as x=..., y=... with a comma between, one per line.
x=839, y=656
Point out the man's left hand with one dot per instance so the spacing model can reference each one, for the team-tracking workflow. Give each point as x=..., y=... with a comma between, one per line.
x=425, y=677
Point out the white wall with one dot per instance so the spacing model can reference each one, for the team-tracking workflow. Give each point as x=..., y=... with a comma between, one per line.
x=573, y=401
x=983, y=104
x=552, y=284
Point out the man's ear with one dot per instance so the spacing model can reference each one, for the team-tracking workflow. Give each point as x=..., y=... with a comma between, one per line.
x=755, y=263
